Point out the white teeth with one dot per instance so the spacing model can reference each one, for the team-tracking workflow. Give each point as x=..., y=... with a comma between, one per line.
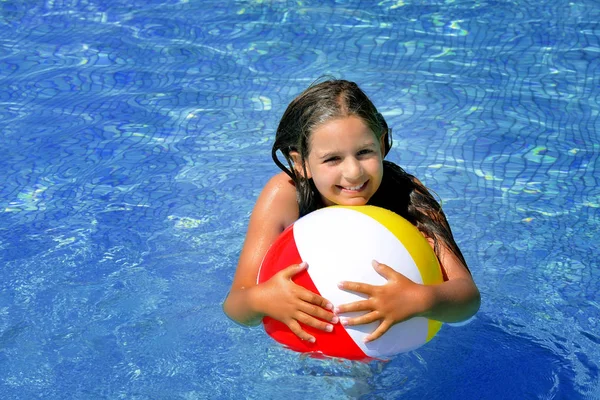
x=354, y=187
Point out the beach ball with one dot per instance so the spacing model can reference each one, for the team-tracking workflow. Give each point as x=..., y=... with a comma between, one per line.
x=339, y=243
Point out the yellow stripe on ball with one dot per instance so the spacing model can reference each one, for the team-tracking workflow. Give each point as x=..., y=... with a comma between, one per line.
x=415, y=243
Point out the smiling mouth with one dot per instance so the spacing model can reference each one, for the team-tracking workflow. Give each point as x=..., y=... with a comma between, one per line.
x=357, y=188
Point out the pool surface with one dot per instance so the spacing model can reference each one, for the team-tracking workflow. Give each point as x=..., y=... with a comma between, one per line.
x=136, y=137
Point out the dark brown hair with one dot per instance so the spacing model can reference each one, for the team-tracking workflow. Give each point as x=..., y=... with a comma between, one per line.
x=399, y=191
x=315, y=106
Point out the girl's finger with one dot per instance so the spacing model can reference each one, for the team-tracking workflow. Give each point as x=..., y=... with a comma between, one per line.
x=313, y=298
x=292, y=270
x=387, y=272
x=377, y=333
x=360, y=320
x=356, y=287
x=298, y=331
x=315, y=323
x=318, y=312
x=383, y=270
x=361, y=305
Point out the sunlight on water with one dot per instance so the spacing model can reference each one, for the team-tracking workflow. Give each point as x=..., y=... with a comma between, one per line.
x=136, y=137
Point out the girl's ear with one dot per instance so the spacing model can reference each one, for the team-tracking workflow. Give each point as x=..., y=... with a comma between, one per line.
x=382, y=140
x=298, y=165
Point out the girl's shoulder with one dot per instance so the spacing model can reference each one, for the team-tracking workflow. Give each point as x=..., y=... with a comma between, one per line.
x=282, y=187
x=274, y=210
x=278, y=200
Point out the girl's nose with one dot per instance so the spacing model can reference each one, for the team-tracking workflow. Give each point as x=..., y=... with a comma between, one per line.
x=352, y=169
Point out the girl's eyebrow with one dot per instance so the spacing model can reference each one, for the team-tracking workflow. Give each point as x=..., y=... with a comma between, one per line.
x=332, y=153
x=327, y=155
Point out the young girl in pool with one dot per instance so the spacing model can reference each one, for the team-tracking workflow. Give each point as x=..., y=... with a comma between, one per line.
x=334, y=142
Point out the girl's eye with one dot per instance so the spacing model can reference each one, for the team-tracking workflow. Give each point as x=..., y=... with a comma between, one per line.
x=365, y=151
x=332, y=159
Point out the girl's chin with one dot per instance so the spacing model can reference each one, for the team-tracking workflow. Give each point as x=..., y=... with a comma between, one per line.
x=347, y=202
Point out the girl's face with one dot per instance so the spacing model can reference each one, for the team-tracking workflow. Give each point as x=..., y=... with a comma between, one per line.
x=345, y=161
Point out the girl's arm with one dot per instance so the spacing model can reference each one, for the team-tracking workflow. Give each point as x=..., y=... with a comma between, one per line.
x=458, y=298
x=454, y=300
x=243, y=303
x=279, y=297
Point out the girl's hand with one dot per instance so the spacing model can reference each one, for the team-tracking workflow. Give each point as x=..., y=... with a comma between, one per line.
x=293, y=304
x=396, y=301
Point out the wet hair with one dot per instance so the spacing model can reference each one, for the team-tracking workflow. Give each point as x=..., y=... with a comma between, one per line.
x=404, y=194
x=399, y=191
x=321, y=103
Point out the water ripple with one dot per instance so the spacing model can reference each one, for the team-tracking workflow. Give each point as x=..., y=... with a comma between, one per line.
x=137, y=135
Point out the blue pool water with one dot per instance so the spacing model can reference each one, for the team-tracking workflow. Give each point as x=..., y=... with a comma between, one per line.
x=136, y=136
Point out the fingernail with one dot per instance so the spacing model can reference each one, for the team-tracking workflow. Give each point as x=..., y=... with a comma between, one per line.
x=336, y=310
x=329, y=306
x=312, y=340
x=303, y=264
x=344, y=321
x=340, y=285
x=335, y=319
x=366, y=340
x=329, y=328
x=375, y=263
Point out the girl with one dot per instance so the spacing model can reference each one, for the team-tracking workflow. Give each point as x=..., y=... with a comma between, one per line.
x=334, y=141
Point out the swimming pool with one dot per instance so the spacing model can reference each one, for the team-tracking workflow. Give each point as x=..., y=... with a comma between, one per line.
x=136, y=136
